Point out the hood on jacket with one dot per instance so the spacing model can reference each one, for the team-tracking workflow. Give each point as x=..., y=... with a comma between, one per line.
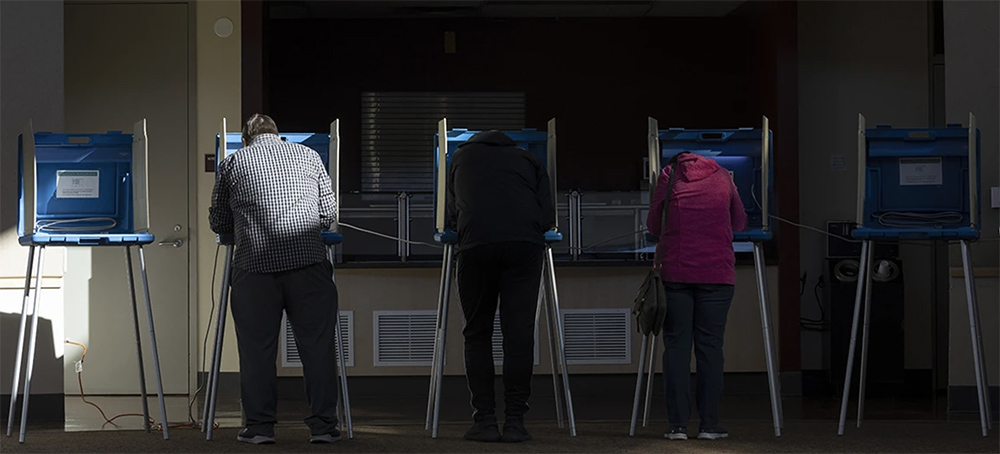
x=693, y=167
x=491, y=137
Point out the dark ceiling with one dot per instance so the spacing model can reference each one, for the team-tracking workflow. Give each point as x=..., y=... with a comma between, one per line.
x=298, y=9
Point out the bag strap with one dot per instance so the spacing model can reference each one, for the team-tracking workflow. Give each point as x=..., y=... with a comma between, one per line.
x=657, y=257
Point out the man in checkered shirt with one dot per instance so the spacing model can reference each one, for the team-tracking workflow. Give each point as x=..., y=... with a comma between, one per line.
x=276, y=198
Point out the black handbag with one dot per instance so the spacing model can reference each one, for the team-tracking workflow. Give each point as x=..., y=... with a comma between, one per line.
x=650, y=306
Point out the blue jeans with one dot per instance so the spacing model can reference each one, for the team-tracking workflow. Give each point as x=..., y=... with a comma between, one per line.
x=695, y=312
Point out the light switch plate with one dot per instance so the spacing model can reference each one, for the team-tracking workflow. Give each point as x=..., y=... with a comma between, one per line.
x=995, y=197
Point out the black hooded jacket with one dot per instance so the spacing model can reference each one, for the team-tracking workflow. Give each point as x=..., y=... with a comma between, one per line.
x=498, y=192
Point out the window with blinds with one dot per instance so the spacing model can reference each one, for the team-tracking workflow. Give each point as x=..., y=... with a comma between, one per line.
x=397, y=132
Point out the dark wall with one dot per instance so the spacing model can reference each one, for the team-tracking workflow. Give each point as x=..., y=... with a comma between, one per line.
x=600, y=78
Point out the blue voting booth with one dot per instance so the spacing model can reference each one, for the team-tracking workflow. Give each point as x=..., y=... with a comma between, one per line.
x=917, y=184
x=82, y=190
x=543, y=145
x=328, y=148
x=746, y=154
x=535, y=141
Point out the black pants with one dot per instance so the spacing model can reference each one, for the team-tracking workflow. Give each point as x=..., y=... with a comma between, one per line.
x=309, y=298
x=697, y=311
x=510, y=272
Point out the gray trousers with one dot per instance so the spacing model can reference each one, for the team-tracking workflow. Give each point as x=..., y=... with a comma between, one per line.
x=309, y=298
x=695, y=312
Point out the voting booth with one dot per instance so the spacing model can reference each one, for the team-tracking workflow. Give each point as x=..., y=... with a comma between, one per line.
x=543, y=145
x=82, y=190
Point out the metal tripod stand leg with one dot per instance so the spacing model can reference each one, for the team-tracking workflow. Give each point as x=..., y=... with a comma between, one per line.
x=152, y=342
x=344, y=399
x=31, y=347
x=138, y=338
x=220, y=333
x=774, y=381
x=544, y=305
x=438, y=371
x=862, y=290
x=646, y=340
x=651, y=372
x=554, y=309
x=977, y=343
x=20, y=343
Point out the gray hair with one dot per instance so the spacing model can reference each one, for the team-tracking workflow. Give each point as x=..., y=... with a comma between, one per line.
x=258, y=124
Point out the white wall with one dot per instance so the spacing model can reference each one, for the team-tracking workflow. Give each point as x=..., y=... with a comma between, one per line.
x=869, y=58
x=31, y=87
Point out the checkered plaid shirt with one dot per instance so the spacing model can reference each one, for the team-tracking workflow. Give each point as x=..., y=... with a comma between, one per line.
x=276, y=198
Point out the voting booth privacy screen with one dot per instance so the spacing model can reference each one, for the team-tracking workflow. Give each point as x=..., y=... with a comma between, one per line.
x=740, y=151
x=919, y=183
x=82, y=188
x=534, y=141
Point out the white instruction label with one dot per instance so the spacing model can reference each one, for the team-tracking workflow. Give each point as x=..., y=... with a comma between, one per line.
x=919, y=171
x=78, y=184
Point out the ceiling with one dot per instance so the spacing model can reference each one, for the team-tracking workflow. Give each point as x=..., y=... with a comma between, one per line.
x=299, y=9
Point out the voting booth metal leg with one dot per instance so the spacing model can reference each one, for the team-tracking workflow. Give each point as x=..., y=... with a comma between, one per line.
x=152, y=341
x=31, y=345
x=774, y=381
x=437, y=368
x=646, y=340
x=220, y=332
x=20, y=342
x=343, y=401
x=443, y=286
x=863, y=290
x=651, y=373
x=560, y=338
x=543, y=305
x=977, y=342
x=138, y=338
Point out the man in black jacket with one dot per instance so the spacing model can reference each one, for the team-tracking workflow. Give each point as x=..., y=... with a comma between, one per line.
x=501, y=204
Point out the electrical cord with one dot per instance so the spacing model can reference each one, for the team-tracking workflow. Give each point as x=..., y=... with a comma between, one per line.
x=53, y=225
x=83, y=395
x=389, y=237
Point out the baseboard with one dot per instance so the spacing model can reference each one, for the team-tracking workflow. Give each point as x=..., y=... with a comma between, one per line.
x=965, y=399
x=49, y=408
x=916, y=383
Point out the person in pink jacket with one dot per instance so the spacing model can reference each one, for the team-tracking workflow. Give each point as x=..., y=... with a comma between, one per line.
x=699, y=272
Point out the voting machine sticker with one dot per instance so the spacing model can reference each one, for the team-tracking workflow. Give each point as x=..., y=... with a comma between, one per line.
x=78, y=184
x=919, y=171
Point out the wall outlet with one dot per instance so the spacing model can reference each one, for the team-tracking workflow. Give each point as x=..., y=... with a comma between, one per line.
x=995, y=197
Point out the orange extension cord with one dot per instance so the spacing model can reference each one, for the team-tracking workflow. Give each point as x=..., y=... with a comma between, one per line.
x=152, y=422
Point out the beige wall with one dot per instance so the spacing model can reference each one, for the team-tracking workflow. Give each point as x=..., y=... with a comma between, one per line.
x=366, y=290
x=217, y=87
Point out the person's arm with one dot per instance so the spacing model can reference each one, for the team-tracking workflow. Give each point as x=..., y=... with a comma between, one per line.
x=220, y=214
x=737, y=213
x=655, y=217
x=451, y=202
x=327, y=199
x=545, y=198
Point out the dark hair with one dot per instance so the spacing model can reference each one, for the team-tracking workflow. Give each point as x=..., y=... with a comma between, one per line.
x=258, y=124
x=673, y=160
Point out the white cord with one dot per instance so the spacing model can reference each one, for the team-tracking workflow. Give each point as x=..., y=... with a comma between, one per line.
x=51, y=226
x=910, y=219
x=389, y=237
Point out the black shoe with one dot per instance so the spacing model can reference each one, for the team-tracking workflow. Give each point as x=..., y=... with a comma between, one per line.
x=245, y=436
x=514, y=431
x=325, y=438
x=712, y=433
x=485, y=431
x=676, y=433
